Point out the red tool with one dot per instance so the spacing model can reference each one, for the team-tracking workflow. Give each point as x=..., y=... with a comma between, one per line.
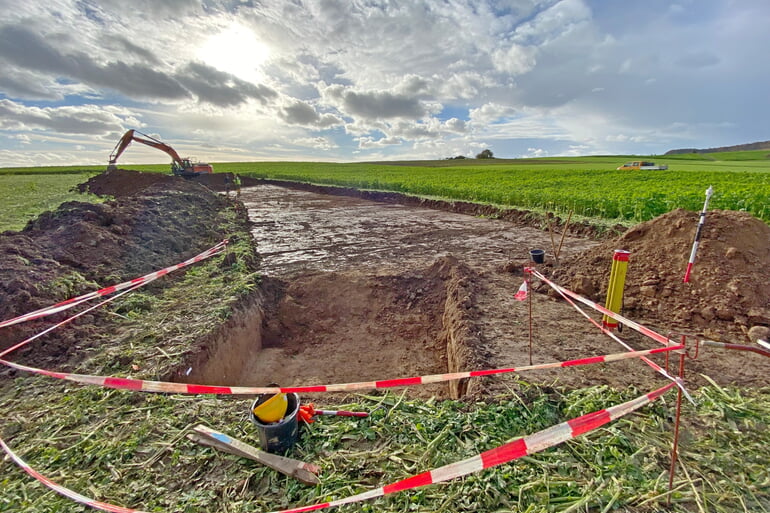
x=307, y=412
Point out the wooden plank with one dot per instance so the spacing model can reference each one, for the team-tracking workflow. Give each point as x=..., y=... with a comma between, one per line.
x=303, y=472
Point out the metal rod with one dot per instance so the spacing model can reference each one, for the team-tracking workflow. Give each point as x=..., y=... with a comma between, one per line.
x=675, y=448
x=529, y=296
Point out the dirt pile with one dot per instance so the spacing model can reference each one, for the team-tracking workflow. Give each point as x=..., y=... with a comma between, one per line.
x=155, y=221
x=728, y=291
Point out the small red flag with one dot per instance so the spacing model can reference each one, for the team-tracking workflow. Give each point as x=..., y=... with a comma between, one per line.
x=521, y=295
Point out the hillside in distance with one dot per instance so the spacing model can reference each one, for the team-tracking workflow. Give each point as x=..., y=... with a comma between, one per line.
x=763, y=145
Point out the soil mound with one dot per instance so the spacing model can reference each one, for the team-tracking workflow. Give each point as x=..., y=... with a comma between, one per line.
x=124, y=182
x=155, y=221
x=727, y=292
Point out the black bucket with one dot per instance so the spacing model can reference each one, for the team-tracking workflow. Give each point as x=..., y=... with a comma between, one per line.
x=277, y=437
x=537, y=255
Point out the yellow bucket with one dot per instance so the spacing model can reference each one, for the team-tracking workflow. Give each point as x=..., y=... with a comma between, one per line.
x=273, y=409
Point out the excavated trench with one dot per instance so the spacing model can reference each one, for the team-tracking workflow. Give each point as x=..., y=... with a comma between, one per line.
x=336, y=327
x=355, y=290
x=359, y=290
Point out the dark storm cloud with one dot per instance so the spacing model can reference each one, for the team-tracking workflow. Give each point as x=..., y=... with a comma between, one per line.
x=28, y=50
x=122, y=44
x=21, y=84
x=302, y=113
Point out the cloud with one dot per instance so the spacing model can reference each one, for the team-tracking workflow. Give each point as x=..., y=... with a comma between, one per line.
x=515, y=60
x=302, y=113
x=696, y=60
x=317, y=143
x=373, y=105
x=85, y=119
x=123, y=45
x=456, y=125
x=26, y=49
x=219, y=88
x=367, y=143
x=391, y=79
x=18, y=83
x=490, y=113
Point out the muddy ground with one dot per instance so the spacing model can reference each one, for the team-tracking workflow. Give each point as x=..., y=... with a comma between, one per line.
x=365, y=288
x=362, y=290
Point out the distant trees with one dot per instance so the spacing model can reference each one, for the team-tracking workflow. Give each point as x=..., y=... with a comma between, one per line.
x=486, y=154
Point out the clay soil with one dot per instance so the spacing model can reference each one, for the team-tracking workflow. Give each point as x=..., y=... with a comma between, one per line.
x=387, y=286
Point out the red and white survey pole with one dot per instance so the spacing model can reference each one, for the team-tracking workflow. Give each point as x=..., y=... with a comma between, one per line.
x=702, y=220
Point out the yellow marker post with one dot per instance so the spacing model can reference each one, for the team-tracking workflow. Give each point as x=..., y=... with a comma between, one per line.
x=615, y=287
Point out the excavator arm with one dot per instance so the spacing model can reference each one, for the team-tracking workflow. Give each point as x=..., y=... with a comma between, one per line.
x=131, y=136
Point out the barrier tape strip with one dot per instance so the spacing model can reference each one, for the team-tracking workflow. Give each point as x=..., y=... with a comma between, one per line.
x=505, y=453
x=61, y=489
x=566, y=294
x=613, y=336
x=189, y=388
x=70, y=319
x=69, y=303
x=628, y=322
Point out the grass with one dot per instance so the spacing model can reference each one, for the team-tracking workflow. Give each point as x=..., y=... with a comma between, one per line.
x=24, y=197
x=130, y=449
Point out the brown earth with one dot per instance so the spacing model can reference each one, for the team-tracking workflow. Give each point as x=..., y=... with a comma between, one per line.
x=727, y=292
x=358, y=290
x=153, y=222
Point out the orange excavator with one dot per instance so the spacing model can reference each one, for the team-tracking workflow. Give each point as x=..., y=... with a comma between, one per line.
x=179, y=166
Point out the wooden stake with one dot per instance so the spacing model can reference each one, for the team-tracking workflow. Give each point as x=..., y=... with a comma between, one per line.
x=563, y=233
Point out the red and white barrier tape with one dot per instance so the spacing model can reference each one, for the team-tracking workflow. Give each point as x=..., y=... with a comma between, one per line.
x=189, y=388
x=505, y=453
x=628, y=322
x=70, y=319
x=567, y=294
x=62, y=490
x=142, y=280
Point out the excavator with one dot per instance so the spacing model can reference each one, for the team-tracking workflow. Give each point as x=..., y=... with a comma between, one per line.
x=179, y=166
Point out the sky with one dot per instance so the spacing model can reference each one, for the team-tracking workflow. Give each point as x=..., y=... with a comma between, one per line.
x=370, y=80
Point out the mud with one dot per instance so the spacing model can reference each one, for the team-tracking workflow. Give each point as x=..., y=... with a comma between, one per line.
x=152, y=222
x=359, y=290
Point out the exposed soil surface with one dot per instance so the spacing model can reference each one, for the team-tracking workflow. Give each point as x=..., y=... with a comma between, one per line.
x=153, y=222
x=361, y=290
x=727, y=291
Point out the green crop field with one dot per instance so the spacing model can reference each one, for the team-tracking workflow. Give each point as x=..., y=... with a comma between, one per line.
x=24, y=197
x=591, y=187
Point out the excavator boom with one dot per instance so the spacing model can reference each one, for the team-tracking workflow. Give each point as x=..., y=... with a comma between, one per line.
x=179, y=166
